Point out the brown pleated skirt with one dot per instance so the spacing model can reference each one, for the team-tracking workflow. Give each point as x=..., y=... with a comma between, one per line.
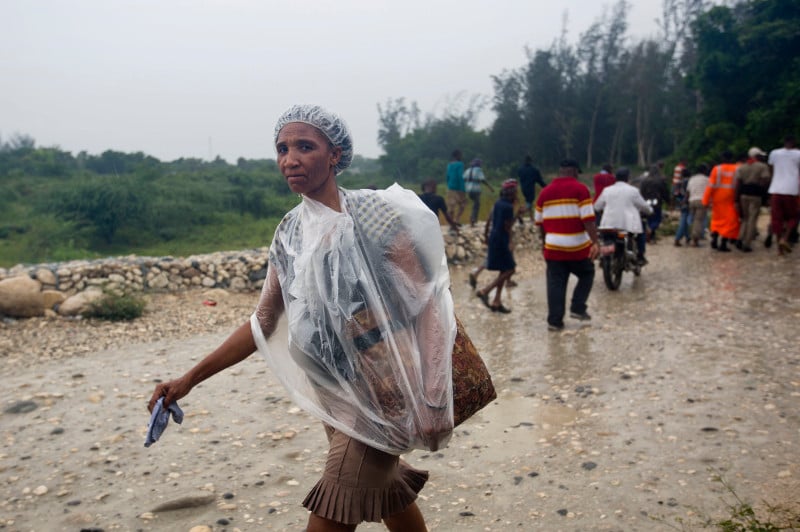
x=361, y=483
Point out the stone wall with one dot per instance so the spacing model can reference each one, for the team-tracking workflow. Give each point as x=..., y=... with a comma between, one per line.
x=240, y=270
x=236, y=271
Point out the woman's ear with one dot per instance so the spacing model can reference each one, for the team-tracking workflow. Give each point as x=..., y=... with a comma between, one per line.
x=336, y=155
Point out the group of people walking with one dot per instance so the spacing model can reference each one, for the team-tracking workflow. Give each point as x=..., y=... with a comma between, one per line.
x=731, y=192
x=734, y=192
x=564, y=214
x=463, y=184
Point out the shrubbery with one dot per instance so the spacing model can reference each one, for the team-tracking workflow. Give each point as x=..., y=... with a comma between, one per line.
x=116, y=307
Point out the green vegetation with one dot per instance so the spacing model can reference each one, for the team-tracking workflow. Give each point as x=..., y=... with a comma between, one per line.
x=117, y=203
x=116, y=307
x=743, y=517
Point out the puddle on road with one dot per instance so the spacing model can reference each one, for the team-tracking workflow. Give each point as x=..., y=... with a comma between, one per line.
x=527, y=417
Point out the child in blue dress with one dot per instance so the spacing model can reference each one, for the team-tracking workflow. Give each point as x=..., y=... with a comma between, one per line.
x=500, y=257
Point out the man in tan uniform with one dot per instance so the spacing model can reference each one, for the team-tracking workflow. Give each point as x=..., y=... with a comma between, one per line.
x=752, y=180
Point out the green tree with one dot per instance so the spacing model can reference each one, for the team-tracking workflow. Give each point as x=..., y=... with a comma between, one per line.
x=544, y=108
x=508, y=137
x=106, y=204
x=417, y=149
x=601, y=50
x=746, y=73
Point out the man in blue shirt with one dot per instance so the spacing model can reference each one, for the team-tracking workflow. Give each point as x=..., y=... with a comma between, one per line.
x=456, y=193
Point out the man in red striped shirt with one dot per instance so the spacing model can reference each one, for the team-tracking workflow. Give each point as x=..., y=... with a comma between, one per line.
x=565, y=217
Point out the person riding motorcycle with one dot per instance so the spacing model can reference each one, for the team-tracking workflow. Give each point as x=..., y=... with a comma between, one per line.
x=622, y=206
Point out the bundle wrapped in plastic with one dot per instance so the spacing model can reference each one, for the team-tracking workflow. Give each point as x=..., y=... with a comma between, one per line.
x=368, y=318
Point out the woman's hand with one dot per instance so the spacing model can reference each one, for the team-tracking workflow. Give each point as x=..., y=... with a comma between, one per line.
x=434, y=427
x=170, y=391
x=238, y=346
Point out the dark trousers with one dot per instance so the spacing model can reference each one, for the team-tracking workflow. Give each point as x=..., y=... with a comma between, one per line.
x=641, y=241
x=476, y=206
x=558, y=272
x=641, y=245
x=654, y=220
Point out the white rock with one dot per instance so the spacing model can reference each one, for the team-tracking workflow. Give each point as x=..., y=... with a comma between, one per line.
x=238, y=284
x=80, y=302
x=53, y=298
x=46, y=276
x=21, y=297
x=159, y=281
x=217, y=294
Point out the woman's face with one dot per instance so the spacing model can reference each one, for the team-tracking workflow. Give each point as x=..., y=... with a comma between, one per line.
x=306, y=159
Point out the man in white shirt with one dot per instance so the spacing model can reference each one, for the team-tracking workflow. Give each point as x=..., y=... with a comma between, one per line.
x=784, y=190
x=473, y=179
x=695, y=189
x=622, y=205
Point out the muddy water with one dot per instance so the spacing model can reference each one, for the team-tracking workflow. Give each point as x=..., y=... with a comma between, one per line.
x=688, y=372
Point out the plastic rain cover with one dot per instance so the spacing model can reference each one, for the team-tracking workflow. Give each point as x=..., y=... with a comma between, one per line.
x=365, y=339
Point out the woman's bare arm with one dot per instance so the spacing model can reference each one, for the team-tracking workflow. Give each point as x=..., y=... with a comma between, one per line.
x=237, y=347
x=234, y=349
x=429, y=336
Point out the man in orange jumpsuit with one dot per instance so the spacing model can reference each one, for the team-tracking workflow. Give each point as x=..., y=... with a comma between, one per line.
x=721, y=195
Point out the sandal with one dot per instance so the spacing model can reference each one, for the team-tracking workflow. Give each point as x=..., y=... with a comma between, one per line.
x=485, y=299
x=785, y=247
x=473, y=280
x=501, y=308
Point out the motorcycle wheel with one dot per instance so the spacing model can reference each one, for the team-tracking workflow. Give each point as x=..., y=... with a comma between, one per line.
x=635, y=267
x=612, y=271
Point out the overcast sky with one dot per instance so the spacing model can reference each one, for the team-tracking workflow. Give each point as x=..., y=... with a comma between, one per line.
x=201, y=78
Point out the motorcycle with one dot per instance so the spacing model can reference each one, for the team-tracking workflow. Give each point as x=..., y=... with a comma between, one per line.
x=618, y=255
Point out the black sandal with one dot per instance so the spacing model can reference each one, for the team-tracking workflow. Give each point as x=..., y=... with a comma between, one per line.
x=501, y=308
x=485, y=299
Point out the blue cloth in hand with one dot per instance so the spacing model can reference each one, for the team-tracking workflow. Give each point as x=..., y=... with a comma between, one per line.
x=159, y=419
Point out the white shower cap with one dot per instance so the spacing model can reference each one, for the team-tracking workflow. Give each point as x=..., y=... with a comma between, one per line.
x=328, y=123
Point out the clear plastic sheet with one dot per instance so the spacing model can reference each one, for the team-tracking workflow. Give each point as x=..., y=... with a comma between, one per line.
x=357, y=321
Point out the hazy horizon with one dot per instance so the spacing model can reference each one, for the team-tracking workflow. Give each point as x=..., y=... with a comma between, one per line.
x=183, y=79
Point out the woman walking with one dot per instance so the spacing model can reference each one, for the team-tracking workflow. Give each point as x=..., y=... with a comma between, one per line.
x=360, y=281
x=500, y=257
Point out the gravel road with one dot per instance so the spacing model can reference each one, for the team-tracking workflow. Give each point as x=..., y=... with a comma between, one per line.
x=688, y=372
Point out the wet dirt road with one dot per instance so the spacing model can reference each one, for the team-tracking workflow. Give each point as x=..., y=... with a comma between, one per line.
x=688, y=372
